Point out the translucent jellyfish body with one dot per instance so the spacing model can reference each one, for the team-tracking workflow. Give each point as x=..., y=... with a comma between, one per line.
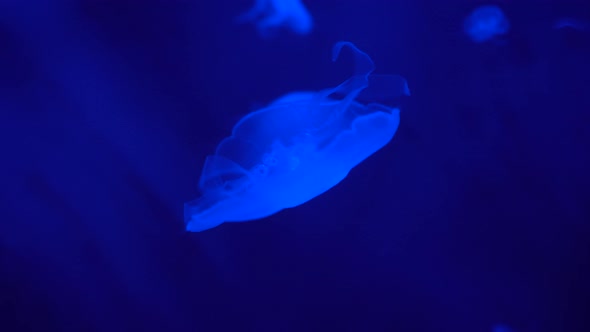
x=271, y=15
x=485, y=23
x=296, y=148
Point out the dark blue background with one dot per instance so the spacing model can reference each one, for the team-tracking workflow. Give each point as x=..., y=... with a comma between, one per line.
x=477, y=213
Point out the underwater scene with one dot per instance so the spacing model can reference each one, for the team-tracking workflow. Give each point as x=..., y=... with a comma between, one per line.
x=295, y=165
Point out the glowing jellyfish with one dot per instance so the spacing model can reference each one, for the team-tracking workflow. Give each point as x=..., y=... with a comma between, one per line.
x=297, y=148
x=485, y=23
x=270, y=15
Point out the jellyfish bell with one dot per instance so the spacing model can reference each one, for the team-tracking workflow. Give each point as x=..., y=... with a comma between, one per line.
x=297, y=148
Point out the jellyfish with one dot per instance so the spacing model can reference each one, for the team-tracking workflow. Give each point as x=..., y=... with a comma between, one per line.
x=573, y=34
x=298, y=147
x=485, y=23
x=501, y=328
x=571, y=23
x=271, y=15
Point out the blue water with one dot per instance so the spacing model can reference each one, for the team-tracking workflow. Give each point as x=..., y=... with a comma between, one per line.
x=475, y=217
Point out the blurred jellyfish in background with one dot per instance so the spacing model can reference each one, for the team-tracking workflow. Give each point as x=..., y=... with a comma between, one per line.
x=573, y=33
x=501, y=328
x=571, y=23
x=486, y=22
x=273, y=15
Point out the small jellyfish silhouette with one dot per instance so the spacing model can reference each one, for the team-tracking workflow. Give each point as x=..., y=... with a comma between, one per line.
x=298, y=147
x=571, y=23
x=574, y=34
x=271, y=15
x=485, y=23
